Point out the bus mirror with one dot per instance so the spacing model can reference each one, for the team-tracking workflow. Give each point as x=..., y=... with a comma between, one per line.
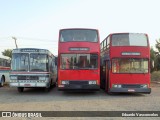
x=152, y=63
x=56, y=61
x=109, y=65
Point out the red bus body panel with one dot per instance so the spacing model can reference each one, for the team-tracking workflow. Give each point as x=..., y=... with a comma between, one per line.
x=93, y=46
x=132, y=78
x=129, y=79
x=79, y=75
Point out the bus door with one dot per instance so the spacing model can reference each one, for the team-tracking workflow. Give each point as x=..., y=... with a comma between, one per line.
x=107, y=75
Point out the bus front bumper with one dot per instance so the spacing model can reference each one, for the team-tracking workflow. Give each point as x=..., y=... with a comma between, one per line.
x=44, y=84
x=130, y=90
x=78, y=87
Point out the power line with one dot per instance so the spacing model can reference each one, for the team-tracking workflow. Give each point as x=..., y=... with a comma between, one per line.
x=29, y=38
x=37, y=39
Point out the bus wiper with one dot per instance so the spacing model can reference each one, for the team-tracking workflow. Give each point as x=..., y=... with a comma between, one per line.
x=87, y=68
x=75, y=67
x=37, y=70
x=21, y=70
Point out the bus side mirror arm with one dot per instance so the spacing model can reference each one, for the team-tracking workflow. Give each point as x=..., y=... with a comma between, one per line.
x=152, y=63
x=109, y=65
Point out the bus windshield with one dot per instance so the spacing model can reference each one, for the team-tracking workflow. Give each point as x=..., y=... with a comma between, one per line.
x=130, y=65
x=20, y=62
x=79, y=61
x=38, y=62
x=131, y=39
x=78, y=35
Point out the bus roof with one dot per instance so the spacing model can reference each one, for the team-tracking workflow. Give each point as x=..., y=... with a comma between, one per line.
x=124, y=33
x=31, y=50
x=78, y=29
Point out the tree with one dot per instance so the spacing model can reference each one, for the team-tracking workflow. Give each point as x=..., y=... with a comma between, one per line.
x=158, y=45
x=153, y=59
x=7, y=52
x=157, y=54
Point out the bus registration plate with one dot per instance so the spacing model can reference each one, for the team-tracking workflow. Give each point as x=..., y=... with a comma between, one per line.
x=131, y=90
x=27, y=85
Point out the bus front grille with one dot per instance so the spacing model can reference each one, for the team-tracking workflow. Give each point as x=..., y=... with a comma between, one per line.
x=131, y=86
x=78, y=82
x=27, y=78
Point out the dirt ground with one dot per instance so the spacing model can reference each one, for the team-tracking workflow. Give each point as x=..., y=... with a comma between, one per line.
x=54, y=100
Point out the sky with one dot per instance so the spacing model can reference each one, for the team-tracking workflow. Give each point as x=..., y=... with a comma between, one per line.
x=36, y=23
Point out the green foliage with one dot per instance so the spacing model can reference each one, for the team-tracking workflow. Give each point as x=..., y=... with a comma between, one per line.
x=155, y=76
x=152, y=54
x=158, y=45
x=153, y=58
x=7, y=52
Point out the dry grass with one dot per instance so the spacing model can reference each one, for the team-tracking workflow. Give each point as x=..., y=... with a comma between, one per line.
x=155, y=76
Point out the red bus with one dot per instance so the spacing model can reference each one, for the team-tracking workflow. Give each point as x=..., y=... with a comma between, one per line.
x=125, y=59
x=4, y=70
x=78, y=59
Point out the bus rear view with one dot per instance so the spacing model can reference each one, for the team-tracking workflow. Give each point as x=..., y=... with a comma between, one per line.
x=78, y=62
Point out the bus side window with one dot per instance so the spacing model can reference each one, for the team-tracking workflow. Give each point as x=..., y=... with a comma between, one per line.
x=0, y=62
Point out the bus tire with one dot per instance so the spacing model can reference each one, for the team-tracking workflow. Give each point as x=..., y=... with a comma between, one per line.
x=2, y=81
x=47, y=89
x=52, y=84
x=109, y=93
x=20, y=89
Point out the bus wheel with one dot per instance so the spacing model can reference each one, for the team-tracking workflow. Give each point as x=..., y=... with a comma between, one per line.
x=52, y=84
x=47, y=89
x=109, y=93
x=2, y=82
x=20, y=89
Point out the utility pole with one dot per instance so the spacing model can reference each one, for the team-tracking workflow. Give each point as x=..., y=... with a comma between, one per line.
x=15, y=39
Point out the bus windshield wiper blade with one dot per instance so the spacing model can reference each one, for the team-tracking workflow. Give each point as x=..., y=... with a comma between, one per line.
x=87, y=68
x=37, y=70
x=21, y=70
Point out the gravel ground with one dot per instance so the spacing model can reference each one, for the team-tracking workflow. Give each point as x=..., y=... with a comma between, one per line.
x=54, y=100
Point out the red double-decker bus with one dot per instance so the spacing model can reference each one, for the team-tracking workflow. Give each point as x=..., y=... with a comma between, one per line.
x=78, y=59
x=125, y=59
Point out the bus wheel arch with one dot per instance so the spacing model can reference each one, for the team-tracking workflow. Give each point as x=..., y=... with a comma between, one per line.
x=47, y=89
x=51, y=83
x=20, y=89
x=2, y=81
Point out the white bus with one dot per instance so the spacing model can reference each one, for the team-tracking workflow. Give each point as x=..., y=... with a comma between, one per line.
x=4, y=69
x=31, y=67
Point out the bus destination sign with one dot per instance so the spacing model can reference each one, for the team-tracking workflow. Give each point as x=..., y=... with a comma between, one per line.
x=131, y=53
x=79, y=49
x=29, y=50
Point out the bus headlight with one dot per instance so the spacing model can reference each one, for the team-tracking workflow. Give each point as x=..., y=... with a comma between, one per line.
x=13, y=77
x=65, y=82
x=144, y=86
x=93, y=82
x=42, y=78
x=117, y=86
x=13, y=81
